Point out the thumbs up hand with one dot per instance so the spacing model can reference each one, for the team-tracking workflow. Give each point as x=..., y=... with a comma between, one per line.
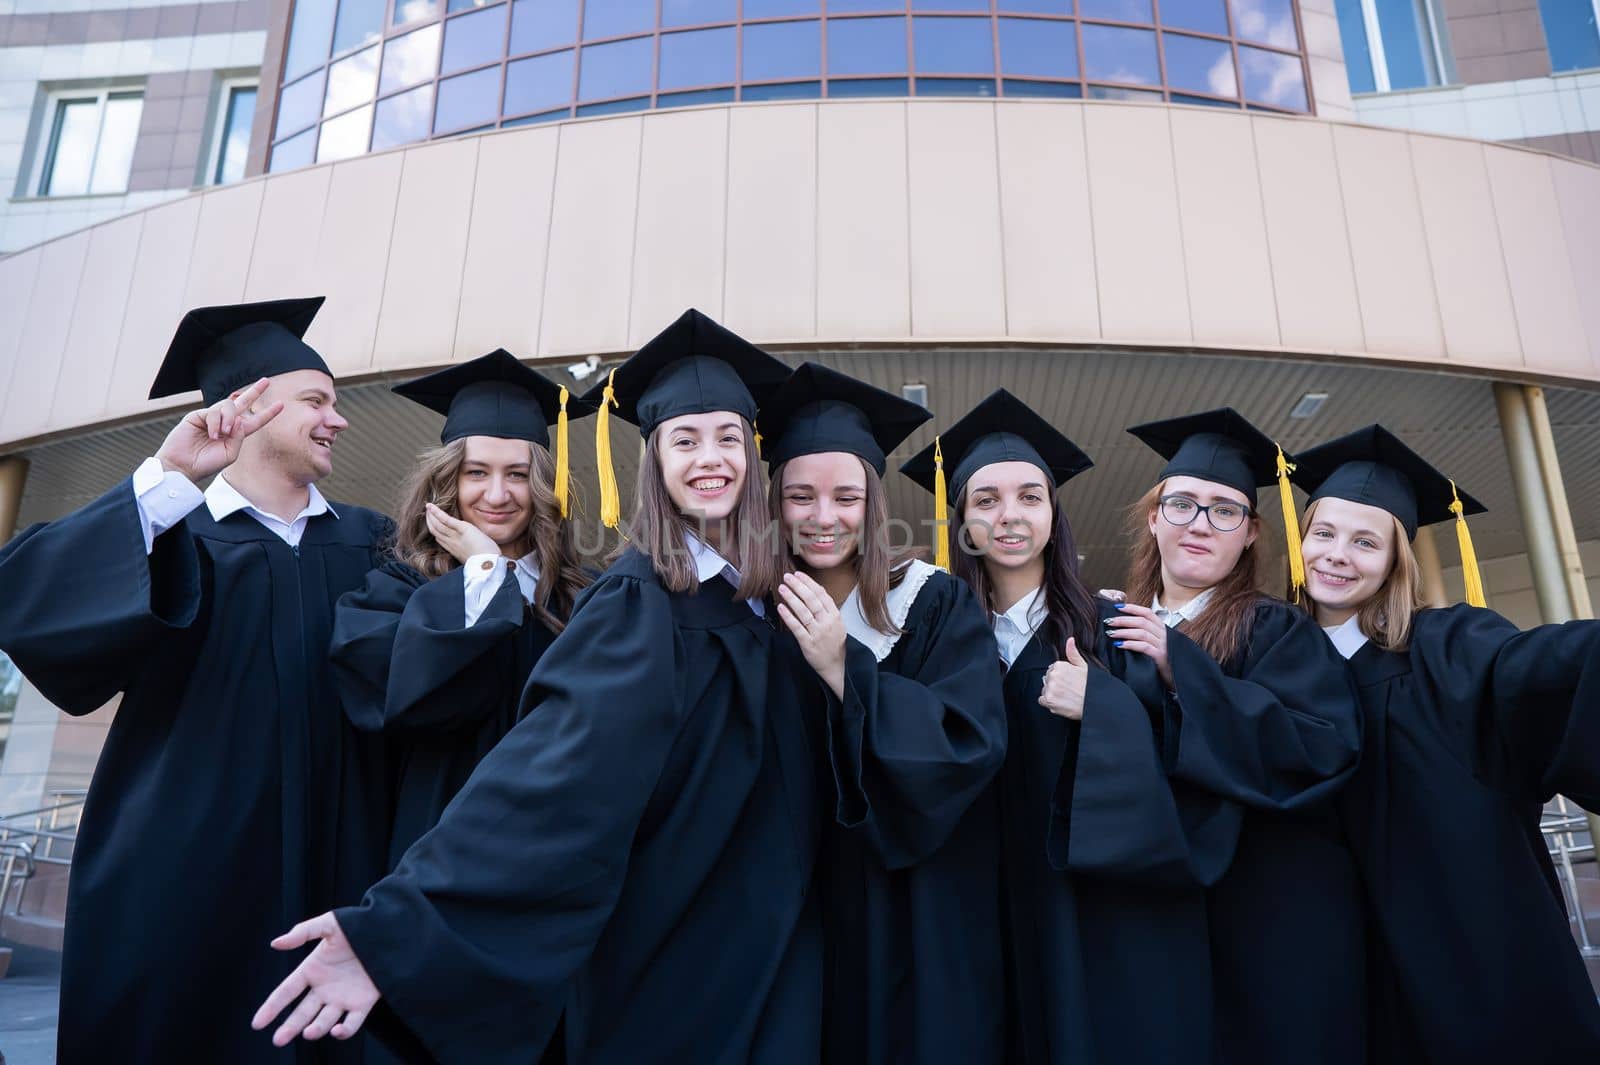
x=1064, y=684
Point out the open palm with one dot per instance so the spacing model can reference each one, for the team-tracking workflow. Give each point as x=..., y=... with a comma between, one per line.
x=338, y=993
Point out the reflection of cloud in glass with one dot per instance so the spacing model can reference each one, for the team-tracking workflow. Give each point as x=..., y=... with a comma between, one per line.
x=1274, y=79
x=1220, y=80
x=1268, y=21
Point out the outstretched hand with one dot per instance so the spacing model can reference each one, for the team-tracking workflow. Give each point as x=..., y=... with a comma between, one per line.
x=208, y=441
x=338, y=993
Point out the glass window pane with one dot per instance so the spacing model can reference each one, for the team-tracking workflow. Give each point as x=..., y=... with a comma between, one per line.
x=699, y=57
x=410, y=59
x=119, y=128
x=537, y=25
x=1035, y=7
x=955, y=87
x=1205, y=15
x=1569, y=29
x=1406, y=50
x=953, y=46
x=359, y=22
x=1270, y=78
x=1203, y=101
x=950, y=5
x=468, y=100
x=310, y=35
x=410, y=10
x=539, y=84
x=300, y=104
x=534, y=120
x=452, y=6
x=1199, y=65
x=615, y=107
x=870, y=87
x=1042, y=88
x=1268, y=21
x=617, y=18
x=695, y=98
x=1040, y=48
x=1113, y=92
x=403, y=119
x=351, y=81
x=846, y=6
x=77, y=123
x=473, y=40
x=345, y=136
x=1119, y=10
x=235, y=145
x=792, y=90
x=698, y=12
x=1112, y=53
x=293, y=153
x=618, y=69
x=782, y=50
x=779, y=8
x=1357, y=53
x=866, y=46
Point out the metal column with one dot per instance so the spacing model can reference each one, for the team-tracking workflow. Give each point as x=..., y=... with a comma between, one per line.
x=13, y=475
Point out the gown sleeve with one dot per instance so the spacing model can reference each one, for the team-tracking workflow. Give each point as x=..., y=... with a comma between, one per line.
x=910, y=753
x=85, y=606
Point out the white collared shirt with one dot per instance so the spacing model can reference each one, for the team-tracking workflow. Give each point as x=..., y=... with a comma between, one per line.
x=483, y=574
x=1014, y=628
x=1348, y=637
x=165, y=497
x=1187, y=612
x=708, y=564
x=899, y=600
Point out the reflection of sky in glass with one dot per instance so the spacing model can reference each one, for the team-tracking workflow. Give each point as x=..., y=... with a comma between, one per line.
x=782, y=50
x=468, y=100
x=1035, y=7
x=235, y=135
x=1053, y=89
x=1199, y=65
x=866, y=46
x=453, y=6
x=77, y=125
x=540, y=24
x=310, y=35
x=410, y=59
x=837, y=6
x=615, y=18
x=1207, y=16
x=618, y=69
x=1112, y=53
x=119, y=130
x=300, y=103
x=1270, y=78
x=955, y=86
x=953, y=45
x=1268, y=21
x=351, y=81
x=295, y=152
x=1120, y=10
x=793, y=90
x=473, y=40
x=779, y=8
x=403, y=119
x=870, y=87
x=359, y=21
x=695, y=98
x=345, y=136
x=698, y=57
x=1410, y=61
x=538, y=84
x=1117, y=92
x=1353, y=34
x=410, y=10
x=1042, y=49
x=698, y=12
x=1569, y=28
x=950, y=5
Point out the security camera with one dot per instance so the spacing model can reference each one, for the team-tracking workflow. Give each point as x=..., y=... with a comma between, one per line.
x=582, y=371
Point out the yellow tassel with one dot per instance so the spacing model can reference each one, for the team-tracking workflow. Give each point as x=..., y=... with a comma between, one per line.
x=758, y=439
x=610, y=501
x=941, y=521
x=1291, y=528
x=1469, y=557
x=563, y=468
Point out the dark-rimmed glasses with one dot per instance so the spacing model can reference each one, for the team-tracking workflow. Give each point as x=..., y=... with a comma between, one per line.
x=1225, y=516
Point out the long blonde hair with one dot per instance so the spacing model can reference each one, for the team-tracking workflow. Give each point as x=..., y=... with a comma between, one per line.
x=436, y=479
x=1386, y=617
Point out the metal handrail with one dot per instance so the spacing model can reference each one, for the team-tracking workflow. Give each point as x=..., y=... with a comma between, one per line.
x=1560, y=833
x=22, y=843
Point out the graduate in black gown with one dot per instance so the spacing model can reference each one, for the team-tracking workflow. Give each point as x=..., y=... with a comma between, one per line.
x=916, y=730
x=231, y=793
x=639, y=849
x=1471, y=726
x=1105, y=934
x=434, y=650
x=1261, y=715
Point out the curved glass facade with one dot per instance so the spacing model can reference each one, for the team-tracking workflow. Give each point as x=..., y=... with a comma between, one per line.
x=362, y=75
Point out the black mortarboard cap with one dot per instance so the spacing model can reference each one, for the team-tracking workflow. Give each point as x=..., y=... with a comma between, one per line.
x=493, y=395
x=819, y=410
x=1373, y=466
x=1216, y=445
x=220, y=350
x=1000, y=429
x=694, y=366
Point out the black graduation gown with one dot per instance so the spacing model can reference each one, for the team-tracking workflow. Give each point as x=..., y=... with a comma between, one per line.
x=911, y=888
x=644, y=838
x=1106, y=860
x=231, y=798
x=444, y=694
x=1278, y=732
x=1468, y=734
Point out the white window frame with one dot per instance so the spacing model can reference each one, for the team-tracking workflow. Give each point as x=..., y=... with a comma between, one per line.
x=44, y=147
x=219, y=121
x=1380, y=61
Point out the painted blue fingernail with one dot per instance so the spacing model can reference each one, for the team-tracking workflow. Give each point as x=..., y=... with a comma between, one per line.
x=1117, y=644
x=1122, y=606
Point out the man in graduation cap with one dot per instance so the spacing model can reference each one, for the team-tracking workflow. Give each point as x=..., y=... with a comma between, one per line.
x=230, y=794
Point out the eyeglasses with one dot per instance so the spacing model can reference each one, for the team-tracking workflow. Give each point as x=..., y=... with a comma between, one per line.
x=1224, y=516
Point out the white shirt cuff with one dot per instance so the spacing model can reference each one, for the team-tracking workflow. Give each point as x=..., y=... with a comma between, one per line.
x=164, y=498
x=481, y=578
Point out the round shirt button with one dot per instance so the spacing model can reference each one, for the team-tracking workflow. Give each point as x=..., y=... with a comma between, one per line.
x=488, y=565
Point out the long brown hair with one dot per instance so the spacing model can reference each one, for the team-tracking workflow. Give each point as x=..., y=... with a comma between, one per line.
x=1223, y=629
x=436, y=479
x=658, y=526
x=877, y=568
x=1386, y=618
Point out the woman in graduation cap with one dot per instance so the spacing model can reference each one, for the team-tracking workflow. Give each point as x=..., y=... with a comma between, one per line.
x=644, y=837
x=916, y=731
x=1260, y=715
x=1105, y=931
x=436, y=647
x=1470, y=727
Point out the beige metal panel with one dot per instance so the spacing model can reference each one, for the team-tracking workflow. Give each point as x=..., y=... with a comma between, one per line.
x=91, y=348
x=351, y=258
x=292, y=206
x=770, y=284
x=1224, y=231
x=155, y=303
x=678, y=243
x=586, y=285
x=1464, y=247
x=25, y=408
x=1394, y=277
x=1311, y=270
x=957, y=264
x=1138, y=236
x=17, y=275
x=422, y=284
x=221, y=255
x=1047, y=234
x=863, y=253
x=502, y=280
x=1578, y=196
x=1537, y=265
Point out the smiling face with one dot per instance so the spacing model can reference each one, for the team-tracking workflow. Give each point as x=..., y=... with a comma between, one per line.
x=1349, y=550
x=1197, y=556
x=299, y=441
x=1008, y=514
x=703, y=463
x=824, y=506
x=493, y=489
